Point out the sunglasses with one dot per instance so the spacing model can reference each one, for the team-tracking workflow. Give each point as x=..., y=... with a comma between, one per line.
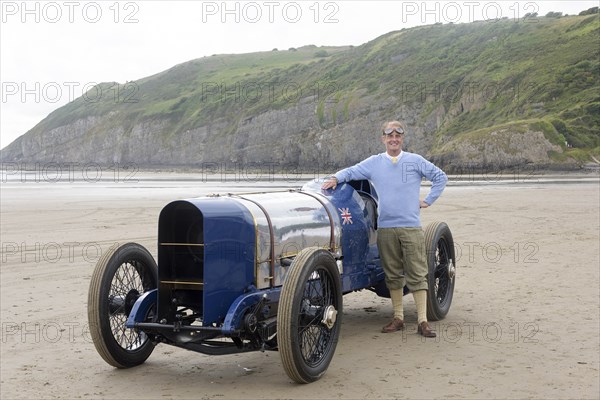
x=389, y=131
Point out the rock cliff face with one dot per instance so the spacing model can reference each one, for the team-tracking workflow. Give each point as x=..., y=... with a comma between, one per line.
x=498, y=149
x=291, y=138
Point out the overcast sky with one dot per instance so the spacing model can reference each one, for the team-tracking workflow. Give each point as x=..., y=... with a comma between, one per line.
x=51, y=51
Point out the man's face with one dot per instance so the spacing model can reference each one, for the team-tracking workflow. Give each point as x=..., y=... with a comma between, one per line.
x=393, y=141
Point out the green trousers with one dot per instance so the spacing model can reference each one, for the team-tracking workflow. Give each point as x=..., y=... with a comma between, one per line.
x=402, y=253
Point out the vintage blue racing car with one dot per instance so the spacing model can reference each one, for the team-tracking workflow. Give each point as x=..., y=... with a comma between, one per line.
x=254, y=271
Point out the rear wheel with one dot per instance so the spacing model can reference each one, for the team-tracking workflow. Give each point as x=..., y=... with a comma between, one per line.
x=442, y=269
x=121, y=276
x=309, y=315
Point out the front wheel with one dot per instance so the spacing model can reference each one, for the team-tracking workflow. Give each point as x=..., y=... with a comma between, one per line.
x=309, y=315
x=121, y=276
x=442, y=269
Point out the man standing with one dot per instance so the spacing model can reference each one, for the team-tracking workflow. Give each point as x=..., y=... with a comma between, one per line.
x=397, y=175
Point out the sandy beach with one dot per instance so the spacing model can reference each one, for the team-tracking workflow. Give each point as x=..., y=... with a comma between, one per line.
x=524, y=322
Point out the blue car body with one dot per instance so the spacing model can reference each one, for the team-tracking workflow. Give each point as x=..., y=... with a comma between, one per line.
x=222, y=260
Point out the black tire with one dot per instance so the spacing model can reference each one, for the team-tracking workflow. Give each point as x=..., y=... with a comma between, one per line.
x=309, y=315
x=442, y=269
x=120, y=277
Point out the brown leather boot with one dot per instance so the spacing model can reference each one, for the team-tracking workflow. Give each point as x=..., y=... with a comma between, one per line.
x=425, y=330
x=396, y=325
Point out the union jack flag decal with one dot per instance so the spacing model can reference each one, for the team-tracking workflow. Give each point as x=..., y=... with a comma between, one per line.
x=346, y=216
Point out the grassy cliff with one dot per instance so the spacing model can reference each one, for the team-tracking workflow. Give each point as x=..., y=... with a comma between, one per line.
x=456, y=82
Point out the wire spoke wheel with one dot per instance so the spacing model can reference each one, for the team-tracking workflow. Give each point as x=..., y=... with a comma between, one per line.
x=309, y=316
x=127, y=285
x=120, y=278
x=314, y=336
x=442, y=269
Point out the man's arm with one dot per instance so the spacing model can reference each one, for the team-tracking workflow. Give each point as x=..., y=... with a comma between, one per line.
x=358, y=171
x=438, y=180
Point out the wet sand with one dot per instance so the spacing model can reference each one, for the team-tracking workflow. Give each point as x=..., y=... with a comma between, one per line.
x=524, y=322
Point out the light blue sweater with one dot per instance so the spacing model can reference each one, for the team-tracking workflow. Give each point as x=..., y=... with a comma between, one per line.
x=398, y=186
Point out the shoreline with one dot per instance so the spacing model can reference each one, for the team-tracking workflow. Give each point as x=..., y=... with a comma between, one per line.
x=261, y=177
